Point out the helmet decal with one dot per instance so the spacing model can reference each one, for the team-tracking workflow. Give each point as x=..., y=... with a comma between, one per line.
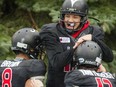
x=21, y=45
x=73, y=1
x=98, y=59
x=90, y=62
x=81, y=60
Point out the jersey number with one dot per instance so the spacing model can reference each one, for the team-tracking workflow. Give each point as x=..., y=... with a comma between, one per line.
x=7, y=77
x=102, y=81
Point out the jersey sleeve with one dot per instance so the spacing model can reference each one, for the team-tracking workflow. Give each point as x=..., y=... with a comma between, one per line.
x=37, y=68
x=98, y=36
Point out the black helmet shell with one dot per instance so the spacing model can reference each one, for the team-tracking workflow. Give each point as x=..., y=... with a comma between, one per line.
x=88, y=53
x=26, y=40
x=79, y=7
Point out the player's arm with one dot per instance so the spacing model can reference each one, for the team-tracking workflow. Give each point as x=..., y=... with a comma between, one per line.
x=36, y=81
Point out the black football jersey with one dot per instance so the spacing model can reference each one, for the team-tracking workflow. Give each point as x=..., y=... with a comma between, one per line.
x=88, y=78
x=14, y=73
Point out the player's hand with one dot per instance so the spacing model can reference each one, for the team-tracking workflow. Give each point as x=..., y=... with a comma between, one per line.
x=33, y=83
x=82, y=39
x=101, y=68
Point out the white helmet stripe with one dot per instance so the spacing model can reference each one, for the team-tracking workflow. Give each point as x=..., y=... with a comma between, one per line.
x=73, y=1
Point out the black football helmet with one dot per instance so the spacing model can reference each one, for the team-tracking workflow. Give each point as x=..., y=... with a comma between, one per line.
x=79, y=7
x=27, y=40
x=88, y=53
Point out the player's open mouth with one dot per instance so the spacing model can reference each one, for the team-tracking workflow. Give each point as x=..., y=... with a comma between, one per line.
x=70, y=25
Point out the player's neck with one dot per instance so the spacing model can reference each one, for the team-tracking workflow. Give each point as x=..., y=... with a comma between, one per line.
x=21, y=55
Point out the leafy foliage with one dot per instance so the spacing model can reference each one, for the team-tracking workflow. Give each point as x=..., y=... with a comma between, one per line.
x=5, y=43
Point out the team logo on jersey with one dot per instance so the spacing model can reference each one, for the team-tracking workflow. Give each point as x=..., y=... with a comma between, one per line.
x=64, y=39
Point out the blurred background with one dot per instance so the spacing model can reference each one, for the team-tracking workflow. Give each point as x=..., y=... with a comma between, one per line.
x=16, y=14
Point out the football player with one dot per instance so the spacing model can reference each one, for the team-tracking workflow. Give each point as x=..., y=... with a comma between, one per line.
x=26, y=70
x=86, y=74
x=63, y=37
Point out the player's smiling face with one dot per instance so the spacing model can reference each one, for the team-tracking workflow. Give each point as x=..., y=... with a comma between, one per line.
x=72, y=21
